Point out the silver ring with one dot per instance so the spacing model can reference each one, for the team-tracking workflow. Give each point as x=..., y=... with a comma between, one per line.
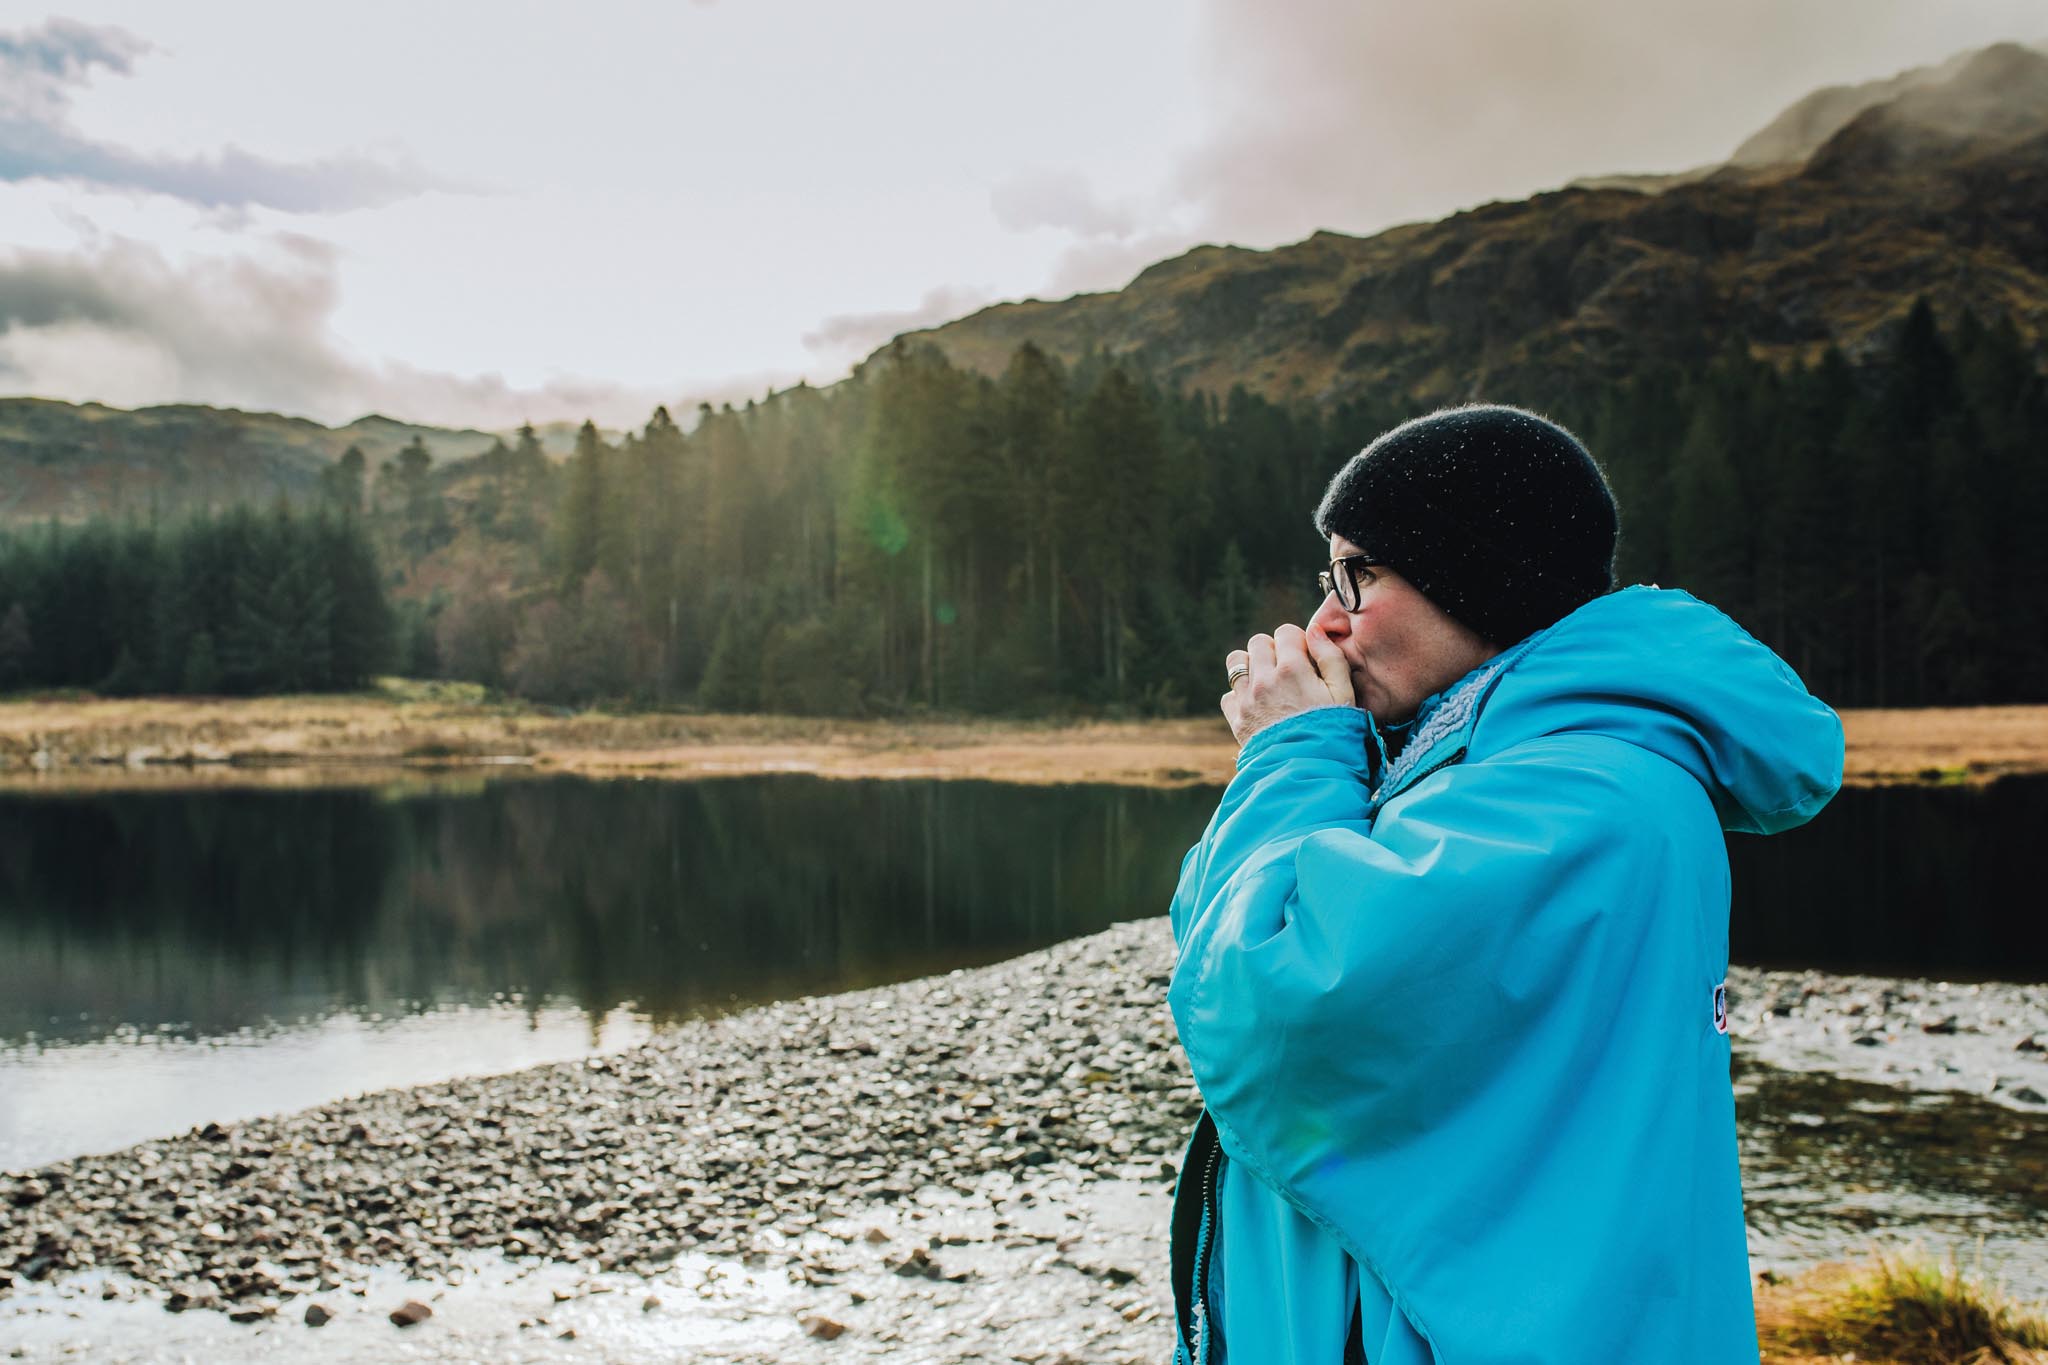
x=1239, y=672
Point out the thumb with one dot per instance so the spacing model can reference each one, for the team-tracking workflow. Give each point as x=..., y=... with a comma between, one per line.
x=1330, y=663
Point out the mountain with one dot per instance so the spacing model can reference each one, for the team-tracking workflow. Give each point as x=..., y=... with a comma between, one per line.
x=1797, y=133
x=1819, y=231
x=1934, y=185
x=71, y=460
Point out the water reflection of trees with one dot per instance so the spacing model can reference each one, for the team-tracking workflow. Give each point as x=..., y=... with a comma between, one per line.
x=673, y=896
x=225, y=908
x=680, y=896
x=1901, y=881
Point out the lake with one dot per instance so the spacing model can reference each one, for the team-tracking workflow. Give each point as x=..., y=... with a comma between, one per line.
x=170, y=958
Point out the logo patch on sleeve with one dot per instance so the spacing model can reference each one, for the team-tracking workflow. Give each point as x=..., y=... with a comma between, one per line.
x=1721, y=1007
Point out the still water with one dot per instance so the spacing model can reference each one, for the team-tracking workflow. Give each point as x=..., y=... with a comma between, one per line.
x=169, y=958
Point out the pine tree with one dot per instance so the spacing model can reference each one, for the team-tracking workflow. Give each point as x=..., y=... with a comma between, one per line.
x=732, y=676
x=202, y=673
x=17, y=647
x=342, y=483
x=583, y=513
x=1119, y=436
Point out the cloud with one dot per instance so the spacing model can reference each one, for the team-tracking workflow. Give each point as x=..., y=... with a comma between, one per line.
x=1355, y=117
x=122, y=324
x=853, y=335
x=66, y=49
x=41, y=67
x=1059, y=199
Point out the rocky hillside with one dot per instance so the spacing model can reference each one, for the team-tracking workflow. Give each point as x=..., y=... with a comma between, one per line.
x=1936, y=185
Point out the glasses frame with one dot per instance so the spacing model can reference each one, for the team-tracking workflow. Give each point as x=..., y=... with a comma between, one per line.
x=1339, y=576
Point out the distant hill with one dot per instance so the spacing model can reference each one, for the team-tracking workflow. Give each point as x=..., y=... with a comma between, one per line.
x=71, y=460
x=1935, y=183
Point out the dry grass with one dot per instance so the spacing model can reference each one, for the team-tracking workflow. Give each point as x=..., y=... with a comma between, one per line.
x=1964, y=743
x=409, y=725
x=1899, y=1308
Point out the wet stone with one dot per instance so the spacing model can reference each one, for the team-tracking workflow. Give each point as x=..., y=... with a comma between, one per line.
x=732, y=1137
x=821, y=1327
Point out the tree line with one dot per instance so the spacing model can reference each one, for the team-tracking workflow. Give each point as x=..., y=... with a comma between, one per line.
x=234, y=602
x=1082, y=537
x=1883, y=527
x=1060, y=537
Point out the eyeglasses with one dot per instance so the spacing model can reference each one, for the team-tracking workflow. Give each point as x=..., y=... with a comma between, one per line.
x=1347, y=578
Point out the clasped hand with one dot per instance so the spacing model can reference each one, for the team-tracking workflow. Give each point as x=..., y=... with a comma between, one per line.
x=1288, y=672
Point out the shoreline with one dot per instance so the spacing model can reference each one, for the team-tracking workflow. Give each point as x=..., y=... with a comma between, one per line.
x=879, y=1158
x=428, y=729
x=969, y=1166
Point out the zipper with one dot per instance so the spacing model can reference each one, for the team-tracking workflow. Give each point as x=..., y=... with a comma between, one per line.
x=1204, y=1245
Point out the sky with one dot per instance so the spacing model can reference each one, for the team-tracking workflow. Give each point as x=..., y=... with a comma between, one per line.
x=483, y=213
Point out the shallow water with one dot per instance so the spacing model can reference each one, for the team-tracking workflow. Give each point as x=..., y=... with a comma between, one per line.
x=1032, y=1288
x=174, y=959
x=67, y=1099
x=1831, y=1166
x=169, y=959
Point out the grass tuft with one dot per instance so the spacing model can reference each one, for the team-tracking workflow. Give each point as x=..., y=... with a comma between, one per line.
x=1900, y=1308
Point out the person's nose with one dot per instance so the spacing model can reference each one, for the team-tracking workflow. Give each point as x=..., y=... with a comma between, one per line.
x=1331, y=616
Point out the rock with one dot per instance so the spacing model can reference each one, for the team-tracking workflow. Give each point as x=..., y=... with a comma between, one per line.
x=2026, y=1094
x=48, y=1254
x=649, y=1304
x=917, y=1262
x=2033, y=1042
x=317, y=1315
x=875, y=1235
x=1945, y=1024
x=410, y=1313
x=1867, y=1040
x=823, y=1328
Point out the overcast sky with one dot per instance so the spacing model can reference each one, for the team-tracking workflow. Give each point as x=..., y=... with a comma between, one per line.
x=476, y=213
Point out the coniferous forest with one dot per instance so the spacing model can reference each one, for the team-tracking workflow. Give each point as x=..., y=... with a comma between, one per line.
x=240, y=602
x=1060, y=539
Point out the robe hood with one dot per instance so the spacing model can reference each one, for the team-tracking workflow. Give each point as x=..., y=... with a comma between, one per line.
x=1666, y=672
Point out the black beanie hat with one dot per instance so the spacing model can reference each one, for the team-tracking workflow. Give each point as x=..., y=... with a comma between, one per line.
x=1498, y=516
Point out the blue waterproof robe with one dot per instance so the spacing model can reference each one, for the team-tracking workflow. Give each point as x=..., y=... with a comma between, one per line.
x=1458, y=1019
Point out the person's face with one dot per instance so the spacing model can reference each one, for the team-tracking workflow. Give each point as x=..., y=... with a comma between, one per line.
x=1401, y=646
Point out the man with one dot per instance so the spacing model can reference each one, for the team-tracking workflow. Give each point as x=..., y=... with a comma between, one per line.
x=1452, y=951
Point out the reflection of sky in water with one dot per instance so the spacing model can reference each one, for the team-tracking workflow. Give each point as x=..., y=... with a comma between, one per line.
x=62, y=1101
x=278, y=922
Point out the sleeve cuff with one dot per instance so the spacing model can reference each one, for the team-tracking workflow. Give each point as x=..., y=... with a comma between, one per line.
x=1336, y=732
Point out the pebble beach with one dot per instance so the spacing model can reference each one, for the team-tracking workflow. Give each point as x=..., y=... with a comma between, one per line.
x=974, y=1166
